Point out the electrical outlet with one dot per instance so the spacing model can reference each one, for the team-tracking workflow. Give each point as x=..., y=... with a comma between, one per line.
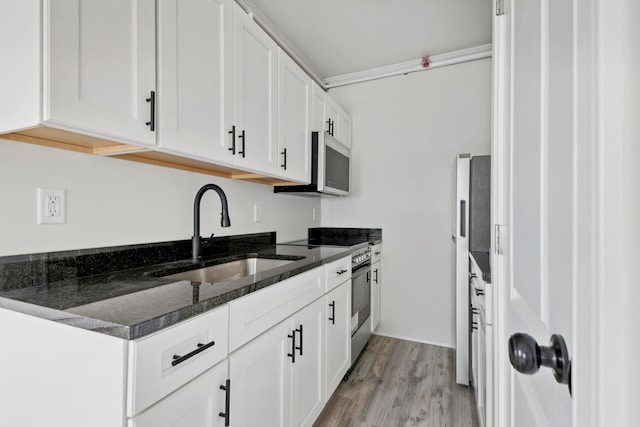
x=314, y=214
x=257, y=213
x=51, y=206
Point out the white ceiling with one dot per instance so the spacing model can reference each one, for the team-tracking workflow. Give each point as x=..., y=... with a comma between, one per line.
x=336, y=37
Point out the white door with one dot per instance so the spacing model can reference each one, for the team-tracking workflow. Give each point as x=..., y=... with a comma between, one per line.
x=536, y=201
x=337, y=347
x=318, y=108
x=199, y=403
x=195, y=77
x=294, y=111
x=255, y=92
x=102, y=68
x=307, y=372
x=260, y=373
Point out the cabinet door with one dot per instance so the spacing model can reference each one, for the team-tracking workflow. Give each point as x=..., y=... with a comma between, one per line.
x=195, y=60
x=376, y=276
x=197, y=404
x=101, y=67
x=307, y=378
x=255, y=84
x=332, y=114
x=344, y=128
x=260, y=371
x=318, y=108
x=294, y=105
x=338, y=336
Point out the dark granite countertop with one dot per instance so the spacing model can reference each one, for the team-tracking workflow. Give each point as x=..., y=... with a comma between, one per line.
x=114, y=291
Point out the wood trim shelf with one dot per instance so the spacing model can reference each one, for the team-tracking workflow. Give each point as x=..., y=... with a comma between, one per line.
x=66, y=140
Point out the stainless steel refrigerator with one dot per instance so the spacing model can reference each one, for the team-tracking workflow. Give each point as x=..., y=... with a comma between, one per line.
x=472, y=234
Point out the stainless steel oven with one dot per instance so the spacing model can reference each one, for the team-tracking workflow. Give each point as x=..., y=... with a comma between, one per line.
x=360, y=301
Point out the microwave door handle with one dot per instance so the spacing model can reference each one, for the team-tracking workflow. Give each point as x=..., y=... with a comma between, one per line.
x=321, y=161
x=463, y=218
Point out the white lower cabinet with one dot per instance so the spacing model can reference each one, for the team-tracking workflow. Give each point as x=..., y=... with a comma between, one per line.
x=337, y=347
x=259, y=373
x=376, y=280
x=277, y=379
x=307, y=378
x=201, y=403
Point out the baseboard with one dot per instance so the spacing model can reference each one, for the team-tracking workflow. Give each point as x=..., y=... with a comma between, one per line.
x=382, y=334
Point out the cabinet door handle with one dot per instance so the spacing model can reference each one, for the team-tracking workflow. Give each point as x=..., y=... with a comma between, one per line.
x=177, y=359
x=368, y=276
x=284, y=165
x=341, y=272
x=376, y=278
x=300, y=331
x=329, y=126
x=242, y=136
x=479, y=292
x=227, y=400
x=333, y=312
x=292, y=355
x=233, y=140
x=152, y=118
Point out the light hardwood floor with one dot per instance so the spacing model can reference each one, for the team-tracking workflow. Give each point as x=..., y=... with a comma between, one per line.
x=401, y=383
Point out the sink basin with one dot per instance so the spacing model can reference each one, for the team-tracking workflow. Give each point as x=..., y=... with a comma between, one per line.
x=230, y=270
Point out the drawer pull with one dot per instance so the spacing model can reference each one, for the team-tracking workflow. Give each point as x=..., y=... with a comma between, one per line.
x=333, y=312
x=227, y=399
x=292, y=355
x=341, y=272
x=300, y=331
x=479, y=292
x=201, y=347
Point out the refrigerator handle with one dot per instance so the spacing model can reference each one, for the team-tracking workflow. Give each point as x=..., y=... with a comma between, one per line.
x=463, y=219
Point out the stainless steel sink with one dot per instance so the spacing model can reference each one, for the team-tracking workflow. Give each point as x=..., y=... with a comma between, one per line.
x=230, y=270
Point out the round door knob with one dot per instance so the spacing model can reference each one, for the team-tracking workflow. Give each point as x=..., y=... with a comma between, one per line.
x=526, y=356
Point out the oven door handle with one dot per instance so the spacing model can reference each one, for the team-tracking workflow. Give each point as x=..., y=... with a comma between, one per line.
x=361, y=269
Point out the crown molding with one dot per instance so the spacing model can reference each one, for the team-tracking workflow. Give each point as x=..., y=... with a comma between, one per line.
x=261, y=19
x=436, y=61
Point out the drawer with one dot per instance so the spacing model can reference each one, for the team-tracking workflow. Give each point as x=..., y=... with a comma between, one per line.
x=376, y=253
x=338, y=272
x=253, y=314
x=164, y=361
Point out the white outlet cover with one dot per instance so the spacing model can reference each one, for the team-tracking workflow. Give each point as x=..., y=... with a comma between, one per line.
x=257, y=213
x=52, y=206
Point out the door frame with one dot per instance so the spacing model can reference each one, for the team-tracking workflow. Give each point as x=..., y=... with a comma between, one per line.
x=608, y=98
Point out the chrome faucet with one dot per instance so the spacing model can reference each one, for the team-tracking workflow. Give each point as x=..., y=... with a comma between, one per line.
x=224, y=221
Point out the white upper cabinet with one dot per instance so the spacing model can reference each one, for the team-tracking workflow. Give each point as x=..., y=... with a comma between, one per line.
x=255, y=90
x=100, y=75
x=319, y=101
x=328, y=116
x=195, y=77
x=344, y=128
x=294, y=135
x=332, y=113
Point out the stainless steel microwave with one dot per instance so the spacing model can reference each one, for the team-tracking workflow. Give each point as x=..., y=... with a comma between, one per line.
x=330, y=169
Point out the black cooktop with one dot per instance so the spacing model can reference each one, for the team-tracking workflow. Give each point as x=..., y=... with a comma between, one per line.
x=331, y=236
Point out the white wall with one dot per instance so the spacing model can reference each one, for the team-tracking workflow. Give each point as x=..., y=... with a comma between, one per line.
x=115, y=202
x=407, y=131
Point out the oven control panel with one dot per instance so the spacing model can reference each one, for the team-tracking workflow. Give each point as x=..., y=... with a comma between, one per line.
x=360, y=256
